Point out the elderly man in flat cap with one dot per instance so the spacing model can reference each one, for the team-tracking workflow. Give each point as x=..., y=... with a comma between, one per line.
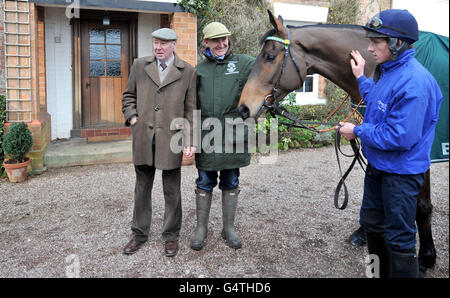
x=160, y=88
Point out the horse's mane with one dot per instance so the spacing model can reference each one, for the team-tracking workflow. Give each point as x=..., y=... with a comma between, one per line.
x=346, y=26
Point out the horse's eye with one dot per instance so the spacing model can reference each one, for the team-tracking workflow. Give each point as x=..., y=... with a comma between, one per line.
x=269, y=58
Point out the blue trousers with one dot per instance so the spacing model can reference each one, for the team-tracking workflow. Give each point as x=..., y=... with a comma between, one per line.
x=389, y=207
x=207, y=180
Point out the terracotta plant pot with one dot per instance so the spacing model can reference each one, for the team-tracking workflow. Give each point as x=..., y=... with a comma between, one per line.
x=17, y=172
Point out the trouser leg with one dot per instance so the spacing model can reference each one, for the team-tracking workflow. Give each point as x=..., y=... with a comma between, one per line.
x=401, y=192
x=388, y=217
x=172, y=208
x=372, y=220
x=142, y=213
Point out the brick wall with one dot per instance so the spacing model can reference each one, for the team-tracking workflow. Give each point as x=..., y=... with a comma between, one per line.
x=2, y=52
x=185, y=25
x=25, y=76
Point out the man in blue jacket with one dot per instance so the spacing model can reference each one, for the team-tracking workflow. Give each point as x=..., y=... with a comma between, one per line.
x=403, y=101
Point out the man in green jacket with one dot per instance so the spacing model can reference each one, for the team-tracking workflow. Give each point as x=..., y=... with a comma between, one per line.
x=220, y=79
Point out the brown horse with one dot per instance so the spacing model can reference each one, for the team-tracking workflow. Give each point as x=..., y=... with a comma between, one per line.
x=322, y=49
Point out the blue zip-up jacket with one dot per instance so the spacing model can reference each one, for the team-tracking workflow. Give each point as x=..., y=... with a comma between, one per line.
x=401, y=116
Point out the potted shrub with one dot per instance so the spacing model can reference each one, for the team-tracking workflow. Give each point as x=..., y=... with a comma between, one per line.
x=17, y=143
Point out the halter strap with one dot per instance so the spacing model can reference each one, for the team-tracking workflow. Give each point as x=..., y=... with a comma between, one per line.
x=287, y=53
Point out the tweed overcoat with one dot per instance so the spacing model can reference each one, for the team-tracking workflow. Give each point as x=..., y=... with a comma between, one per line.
x=155, y=106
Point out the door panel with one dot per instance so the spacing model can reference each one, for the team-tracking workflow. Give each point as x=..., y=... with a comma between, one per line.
x=104, y=74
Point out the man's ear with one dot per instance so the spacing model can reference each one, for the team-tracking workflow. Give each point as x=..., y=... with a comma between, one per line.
x=205, y=42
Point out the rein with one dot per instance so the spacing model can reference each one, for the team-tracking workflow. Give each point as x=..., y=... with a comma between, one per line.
x=276, y=109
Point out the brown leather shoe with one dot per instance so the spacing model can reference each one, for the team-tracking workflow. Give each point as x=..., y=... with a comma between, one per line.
x=171, y=248
x=132, y=246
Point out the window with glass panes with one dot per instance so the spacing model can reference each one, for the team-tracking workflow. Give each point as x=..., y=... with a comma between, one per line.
x=105, y=53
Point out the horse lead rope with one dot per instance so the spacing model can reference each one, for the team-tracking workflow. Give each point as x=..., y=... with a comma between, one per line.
x=356, y=157
x=275, y=108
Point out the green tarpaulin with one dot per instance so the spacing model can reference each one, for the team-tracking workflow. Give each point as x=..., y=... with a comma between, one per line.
x=432, y=52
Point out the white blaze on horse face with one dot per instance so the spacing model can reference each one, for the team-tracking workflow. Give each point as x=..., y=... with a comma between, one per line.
x=379, y=49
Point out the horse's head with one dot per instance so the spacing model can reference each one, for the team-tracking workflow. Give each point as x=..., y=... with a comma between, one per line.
x=269, y=77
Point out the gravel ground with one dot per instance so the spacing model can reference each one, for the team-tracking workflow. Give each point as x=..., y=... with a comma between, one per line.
x=286, y=220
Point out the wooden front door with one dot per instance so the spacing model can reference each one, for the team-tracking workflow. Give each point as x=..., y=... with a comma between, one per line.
x=104, y=72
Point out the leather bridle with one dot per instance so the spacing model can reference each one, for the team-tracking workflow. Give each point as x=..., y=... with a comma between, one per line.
x=276, y=109
x=270, y=105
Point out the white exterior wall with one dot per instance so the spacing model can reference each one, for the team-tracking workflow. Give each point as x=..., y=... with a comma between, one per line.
x=58, y=50
x=431, y=15
x=147, y=23
x=302, y=13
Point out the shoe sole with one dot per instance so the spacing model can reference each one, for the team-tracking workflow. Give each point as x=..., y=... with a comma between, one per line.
x=171, y=255
x=129, y=253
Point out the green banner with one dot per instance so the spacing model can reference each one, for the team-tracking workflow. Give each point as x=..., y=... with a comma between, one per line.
x=432, y=52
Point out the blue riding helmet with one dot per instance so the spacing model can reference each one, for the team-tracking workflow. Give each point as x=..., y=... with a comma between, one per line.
x=395, y=23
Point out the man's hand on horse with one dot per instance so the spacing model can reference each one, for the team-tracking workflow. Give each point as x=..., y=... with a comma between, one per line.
x=357, y=64
x=346, y=130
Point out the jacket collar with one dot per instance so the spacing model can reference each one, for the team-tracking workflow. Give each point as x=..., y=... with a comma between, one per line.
x=402, y=58
x=174, y=72
x=177, y=61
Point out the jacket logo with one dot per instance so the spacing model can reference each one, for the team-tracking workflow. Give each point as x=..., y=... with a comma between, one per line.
x=382, y=106
x=231, y=68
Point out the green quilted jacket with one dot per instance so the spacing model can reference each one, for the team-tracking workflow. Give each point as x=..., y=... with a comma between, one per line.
x=219, y=86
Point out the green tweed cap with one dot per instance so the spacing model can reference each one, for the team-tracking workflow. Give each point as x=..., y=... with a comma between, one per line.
x=165, y=34
x=215, y=30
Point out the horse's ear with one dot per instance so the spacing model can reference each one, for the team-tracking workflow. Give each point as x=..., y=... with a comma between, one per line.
x=272, y=19
x=277, y=24
x=280, y=18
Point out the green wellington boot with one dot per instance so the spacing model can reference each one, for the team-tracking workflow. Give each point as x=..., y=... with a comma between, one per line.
x=203, y=201
x=229, y=204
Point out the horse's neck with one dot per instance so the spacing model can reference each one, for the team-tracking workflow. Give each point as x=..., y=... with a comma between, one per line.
x=326, y=51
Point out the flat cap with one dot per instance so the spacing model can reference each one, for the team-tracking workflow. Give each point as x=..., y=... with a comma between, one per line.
x=215, y=30
x=165, y=34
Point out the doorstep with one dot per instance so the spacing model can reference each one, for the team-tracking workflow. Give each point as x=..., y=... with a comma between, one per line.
x=80, y=152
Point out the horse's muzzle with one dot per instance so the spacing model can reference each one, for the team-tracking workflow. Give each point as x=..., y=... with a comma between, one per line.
x=243, y=111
